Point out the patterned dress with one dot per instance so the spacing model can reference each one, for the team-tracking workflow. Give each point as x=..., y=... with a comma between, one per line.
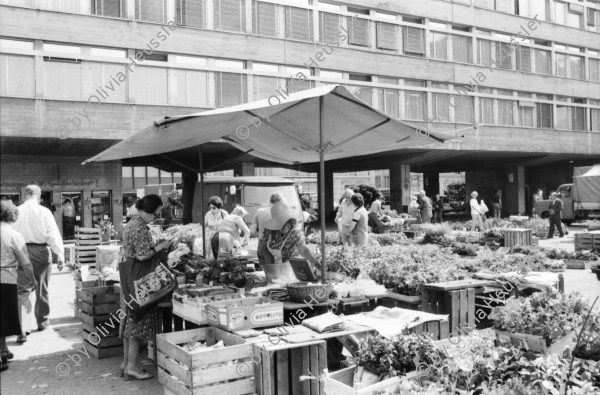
x=289, y=249
x=136, y=241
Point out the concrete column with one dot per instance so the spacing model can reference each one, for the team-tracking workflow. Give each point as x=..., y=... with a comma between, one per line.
x=431, y=182
x=243, y=169
x=515, y=199
x=400, y=187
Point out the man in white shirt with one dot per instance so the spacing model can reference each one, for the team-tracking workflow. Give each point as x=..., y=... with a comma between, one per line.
x=38, y=227
x=258, y=224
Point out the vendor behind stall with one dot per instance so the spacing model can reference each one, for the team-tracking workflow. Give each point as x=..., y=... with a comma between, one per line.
x=228, y=232
x=258, y=224
x=283, y=240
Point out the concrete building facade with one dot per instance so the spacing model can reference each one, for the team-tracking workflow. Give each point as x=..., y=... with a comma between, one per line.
x=515, y=82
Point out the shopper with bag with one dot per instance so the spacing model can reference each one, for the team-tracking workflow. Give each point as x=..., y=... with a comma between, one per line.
x=142, y=258
x=483, y=208
x=476, y=214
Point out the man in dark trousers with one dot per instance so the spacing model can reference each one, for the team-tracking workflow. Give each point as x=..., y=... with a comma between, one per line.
x=556, y=208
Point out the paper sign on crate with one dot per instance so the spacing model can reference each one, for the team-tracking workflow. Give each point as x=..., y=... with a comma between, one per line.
x=247, y=313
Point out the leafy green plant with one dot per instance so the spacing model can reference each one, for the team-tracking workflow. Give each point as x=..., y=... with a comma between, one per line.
x=456, y=194
x=464, y=249
x=395, y=356
x=549, y=315
x=589, y=346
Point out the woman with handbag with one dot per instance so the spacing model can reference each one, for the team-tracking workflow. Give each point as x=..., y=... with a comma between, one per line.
x=138, y=245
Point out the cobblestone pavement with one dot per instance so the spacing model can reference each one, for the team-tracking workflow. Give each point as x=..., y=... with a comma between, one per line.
x=45, y=364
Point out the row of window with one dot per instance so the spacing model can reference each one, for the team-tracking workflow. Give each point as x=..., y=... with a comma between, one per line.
x=69, y=80
x=579, y=16
x=296, y=23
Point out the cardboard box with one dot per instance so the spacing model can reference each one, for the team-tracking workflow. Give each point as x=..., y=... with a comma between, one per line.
x=193, y=309
x=247, y=313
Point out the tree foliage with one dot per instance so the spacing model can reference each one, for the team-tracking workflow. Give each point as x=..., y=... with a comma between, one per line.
x=456, y=194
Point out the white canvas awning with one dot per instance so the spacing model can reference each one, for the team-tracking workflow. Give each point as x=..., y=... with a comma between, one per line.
x=285, y=131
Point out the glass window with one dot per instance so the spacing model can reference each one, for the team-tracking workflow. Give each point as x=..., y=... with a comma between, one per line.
x=66, y=49
x=230, y=89
x=229, y=64
x=560, y=13
x=155, y=92
x=139, y=172
x=561, y=64
x=189, y=60
x=485, y=53
x=329, y=28
x=263, y=87
x=152, y=171
x=364, y=93
x=101, y=206
x=389, y=102
x=486, y=110
x=265, y=19
x=15, y=44
x=463, y=109
x=526, y=116
x=544, y=115
x=192, y=88
x=166, y=177
x=504, y=56
x=593, y=19
x=71, y=213
x=299, y=24
x=594, y=69
x=358, y=30
x=505, y=112
x=191, y=13
x=108, y=53
x=439, y=46
x=576, y=67
x=62, y=79
x=17, y=76
x=595, y=118
x=575, y=19
x=230, y=15
x=72, y=6
x=106, y=75
x=114, y=8
x=415, y=107
x=461, y=49
x=297, y=85
x=414, y=41
x=386, y=36
x=523, y=58
x=260, y=195
x=441, y=107
x=15, y=197
x=151, y=10
x=542, y=61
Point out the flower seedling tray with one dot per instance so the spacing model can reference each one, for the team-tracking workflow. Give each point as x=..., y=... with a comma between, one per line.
x=536, y=343
x=247, y=313
x=341, y=383
x=205, y=372
x=578, y=264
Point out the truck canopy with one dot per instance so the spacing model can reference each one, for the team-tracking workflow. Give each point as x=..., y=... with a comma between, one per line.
x=587, y=186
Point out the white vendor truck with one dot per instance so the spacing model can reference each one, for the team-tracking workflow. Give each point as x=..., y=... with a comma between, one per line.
x=581, y=199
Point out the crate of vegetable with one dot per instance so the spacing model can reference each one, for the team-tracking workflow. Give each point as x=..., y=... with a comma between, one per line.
x=205, y=361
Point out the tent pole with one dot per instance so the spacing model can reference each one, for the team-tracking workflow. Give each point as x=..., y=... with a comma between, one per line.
x=202, y=214
x=322, y=208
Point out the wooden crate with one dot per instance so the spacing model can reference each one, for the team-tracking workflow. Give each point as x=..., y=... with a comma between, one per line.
x=455, y=298
x=105, y=352
x=280, y=366
x=537, y=343
x=587, y=241
x=86, y=242
x=341, y=383
x=514, y=237
x=182, y=371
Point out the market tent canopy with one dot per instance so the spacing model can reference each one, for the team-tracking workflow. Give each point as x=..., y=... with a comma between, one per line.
x=587, y=186
x=284, y=131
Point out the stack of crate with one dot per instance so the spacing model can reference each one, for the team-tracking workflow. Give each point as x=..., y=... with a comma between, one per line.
x=98, y=313
x=87, y=241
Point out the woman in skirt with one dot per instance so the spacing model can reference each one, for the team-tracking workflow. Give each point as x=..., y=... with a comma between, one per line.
x=13, y=255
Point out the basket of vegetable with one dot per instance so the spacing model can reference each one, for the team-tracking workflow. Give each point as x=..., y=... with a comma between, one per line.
x=303, y=292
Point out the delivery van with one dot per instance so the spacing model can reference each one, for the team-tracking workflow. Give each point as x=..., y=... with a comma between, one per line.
x=251, y=193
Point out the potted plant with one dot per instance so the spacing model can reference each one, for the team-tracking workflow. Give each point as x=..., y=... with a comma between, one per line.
x=175, y=201
x=107, y=229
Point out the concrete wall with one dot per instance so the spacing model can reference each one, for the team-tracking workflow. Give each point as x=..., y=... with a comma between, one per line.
x=64, y=174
